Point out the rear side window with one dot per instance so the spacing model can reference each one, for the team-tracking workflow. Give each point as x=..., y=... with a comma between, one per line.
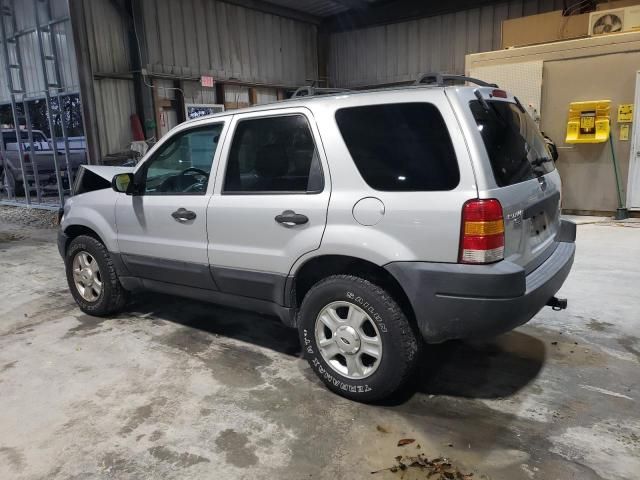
x=517, y=151
x=273, y=154
x=400, y=147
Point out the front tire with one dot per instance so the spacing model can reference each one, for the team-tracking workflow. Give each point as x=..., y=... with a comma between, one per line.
x=357, y=339
x=92, y=277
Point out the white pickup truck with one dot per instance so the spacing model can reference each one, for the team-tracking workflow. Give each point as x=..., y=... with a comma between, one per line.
x=38, y=161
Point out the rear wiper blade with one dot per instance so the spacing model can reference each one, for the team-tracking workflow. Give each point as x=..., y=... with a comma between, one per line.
x=481, y=99
x=539, y=161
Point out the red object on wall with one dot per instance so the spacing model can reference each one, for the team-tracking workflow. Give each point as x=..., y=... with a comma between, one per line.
x=207, y=81
x=136, y=128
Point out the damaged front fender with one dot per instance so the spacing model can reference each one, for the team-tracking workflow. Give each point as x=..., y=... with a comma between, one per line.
x=96, y=177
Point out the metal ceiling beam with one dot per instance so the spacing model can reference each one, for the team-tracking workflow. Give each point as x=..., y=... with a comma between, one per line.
x=354, y=4
x=266, y=7
x=397, y=11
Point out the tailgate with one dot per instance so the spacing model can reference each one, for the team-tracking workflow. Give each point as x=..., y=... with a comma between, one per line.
x=531, y=219
x=525, y=179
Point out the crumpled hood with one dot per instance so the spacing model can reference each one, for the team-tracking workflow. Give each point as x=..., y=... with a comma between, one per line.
x=108, y=172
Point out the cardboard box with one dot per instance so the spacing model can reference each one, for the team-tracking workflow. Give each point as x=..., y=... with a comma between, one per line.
x=617, y=4
x=543, y=28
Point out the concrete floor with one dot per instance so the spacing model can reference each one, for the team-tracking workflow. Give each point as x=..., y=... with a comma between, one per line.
x=178, y=389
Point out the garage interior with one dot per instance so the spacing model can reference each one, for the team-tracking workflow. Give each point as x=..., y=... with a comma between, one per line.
x=181, y=389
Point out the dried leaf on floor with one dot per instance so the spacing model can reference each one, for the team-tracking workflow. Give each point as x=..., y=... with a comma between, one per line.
x=405, y=441
x=436, y=469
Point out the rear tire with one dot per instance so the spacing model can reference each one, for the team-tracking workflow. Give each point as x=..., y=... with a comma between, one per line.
x=357, y=339
x=9, y=179
x=92, y=277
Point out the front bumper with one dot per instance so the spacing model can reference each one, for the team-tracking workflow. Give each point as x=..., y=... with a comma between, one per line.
x=62, y=242
x=456, y=301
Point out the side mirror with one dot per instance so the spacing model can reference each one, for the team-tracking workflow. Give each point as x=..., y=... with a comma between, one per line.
x=123, y=183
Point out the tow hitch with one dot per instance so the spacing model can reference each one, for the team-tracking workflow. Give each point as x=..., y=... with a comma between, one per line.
x=557, y=303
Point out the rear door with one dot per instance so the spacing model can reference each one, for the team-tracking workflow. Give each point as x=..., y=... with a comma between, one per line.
x=518, y=170
x=270, y=201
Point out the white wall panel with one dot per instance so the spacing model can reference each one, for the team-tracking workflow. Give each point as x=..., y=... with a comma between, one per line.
x=522, y=79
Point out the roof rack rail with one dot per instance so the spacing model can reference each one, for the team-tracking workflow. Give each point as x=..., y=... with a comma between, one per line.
x=313, y=91
x=442, y=79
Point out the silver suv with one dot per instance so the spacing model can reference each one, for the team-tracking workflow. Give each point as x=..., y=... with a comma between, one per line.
x=370, y=221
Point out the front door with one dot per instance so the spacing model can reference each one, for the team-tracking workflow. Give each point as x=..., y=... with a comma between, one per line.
x=162, y=228
x=633, y=188
x=270, y=202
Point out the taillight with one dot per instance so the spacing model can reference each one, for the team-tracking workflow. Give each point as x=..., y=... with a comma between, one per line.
x=482, y=236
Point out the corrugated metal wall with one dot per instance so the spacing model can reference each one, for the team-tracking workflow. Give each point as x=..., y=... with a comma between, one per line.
x=209, y=37
x=25, y=20
x=107, y=38
x=195, y=93
x=400, y=51
x=186, y=39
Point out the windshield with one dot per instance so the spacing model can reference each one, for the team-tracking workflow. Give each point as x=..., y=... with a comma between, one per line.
x=516, y=149
x=38, y=139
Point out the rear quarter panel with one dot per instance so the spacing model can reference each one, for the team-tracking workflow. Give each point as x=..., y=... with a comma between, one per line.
x=416, y=226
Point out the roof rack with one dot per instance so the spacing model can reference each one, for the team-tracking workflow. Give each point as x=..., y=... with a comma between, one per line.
x=314, y=91
x=444, y=79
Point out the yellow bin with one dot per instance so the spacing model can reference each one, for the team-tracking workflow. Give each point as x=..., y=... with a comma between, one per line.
x=589, y=122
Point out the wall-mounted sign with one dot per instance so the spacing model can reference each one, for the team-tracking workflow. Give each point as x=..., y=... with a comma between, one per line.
x=206, y=81
x=624, y=131
x=625, y=113
x=195, y=110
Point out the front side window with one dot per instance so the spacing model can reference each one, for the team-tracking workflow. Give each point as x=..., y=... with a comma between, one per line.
x=182, y=166
x=400, y=147
x=516, y=148
x=273, y=154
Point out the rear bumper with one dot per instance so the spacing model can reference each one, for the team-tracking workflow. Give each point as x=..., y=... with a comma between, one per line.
x=456, y=301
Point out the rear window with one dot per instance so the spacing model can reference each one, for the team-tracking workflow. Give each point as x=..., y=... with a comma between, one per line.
x=516, y=148
x=400, y=147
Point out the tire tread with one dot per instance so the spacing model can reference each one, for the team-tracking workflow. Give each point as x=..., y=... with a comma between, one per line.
x=117, y=295
x=405, y=366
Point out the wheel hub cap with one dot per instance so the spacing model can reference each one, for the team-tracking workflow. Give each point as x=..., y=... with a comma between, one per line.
x=347, y=339
x=86, y=276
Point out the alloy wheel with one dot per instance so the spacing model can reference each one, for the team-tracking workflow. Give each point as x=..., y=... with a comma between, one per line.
x=348, y=340
x=86, y=276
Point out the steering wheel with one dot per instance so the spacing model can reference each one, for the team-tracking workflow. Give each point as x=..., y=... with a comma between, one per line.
x=194, y=170
x=199, y=185
x=184, y=182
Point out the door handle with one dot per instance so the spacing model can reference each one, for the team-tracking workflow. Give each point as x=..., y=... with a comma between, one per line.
x=291, y=218
x=183, y=215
